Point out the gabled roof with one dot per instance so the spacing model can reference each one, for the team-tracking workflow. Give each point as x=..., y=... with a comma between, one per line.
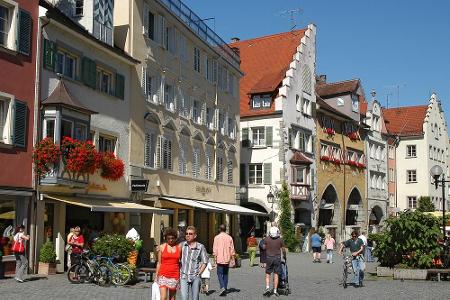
x=405, y=121
x=300, y=159
x=363, y=107
x=326, y=90
x=61, y=96
x=264, y=61
x=323, y=105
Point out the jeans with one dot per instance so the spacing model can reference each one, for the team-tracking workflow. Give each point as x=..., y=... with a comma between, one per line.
x=222, y=273
x=21, y=265
x=330, y=255
x=359, y=274
x=369, y=257
x=190, y=288
x=252, y=255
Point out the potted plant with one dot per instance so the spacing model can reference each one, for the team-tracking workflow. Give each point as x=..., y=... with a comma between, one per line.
x=47, y=259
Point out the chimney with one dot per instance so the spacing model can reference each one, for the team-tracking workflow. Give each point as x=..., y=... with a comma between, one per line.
x=235, y=39
x=321, y=78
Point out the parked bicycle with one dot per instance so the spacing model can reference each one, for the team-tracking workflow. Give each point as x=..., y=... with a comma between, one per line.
x=346, y=269
x=87, y=270
x=117, y=273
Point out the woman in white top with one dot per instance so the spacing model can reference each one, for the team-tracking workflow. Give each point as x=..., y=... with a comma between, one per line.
x=19, y=252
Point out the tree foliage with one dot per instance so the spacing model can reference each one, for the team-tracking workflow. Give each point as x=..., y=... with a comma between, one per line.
x=285, y=221
x=424, y=204
x=409, y=240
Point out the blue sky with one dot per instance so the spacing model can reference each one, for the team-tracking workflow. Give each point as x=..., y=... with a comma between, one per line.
x=385, y=43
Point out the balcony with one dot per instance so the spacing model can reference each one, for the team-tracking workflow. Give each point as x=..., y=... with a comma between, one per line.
x=196, y=24
x=299, y=191
x=59, y=175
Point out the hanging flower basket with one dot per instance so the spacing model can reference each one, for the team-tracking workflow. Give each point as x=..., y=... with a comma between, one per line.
x=329, y=131
x=44, y=154
x=325, y=158
x=353, y=136
x=80, y=157
x=336, y=161
x=112, y=168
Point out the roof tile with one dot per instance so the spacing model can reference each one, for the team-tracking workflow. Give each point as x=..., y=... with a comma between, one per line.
x=405, y=121
x=326, y=90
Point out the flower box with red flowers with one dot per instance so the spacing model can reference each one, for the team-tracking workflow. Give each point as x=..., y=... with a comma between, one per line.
x=336, y=161
x=352, y=163
x=45, y=154
x=111, y=167
x=360, y=165
x=353, y=136
x=80, y=157
x=325, y=158
x=329, y=131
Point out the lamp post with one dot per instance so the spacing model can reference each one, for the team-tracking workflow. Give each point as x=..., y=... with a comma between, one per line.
x=271, y=198
x=436, y=172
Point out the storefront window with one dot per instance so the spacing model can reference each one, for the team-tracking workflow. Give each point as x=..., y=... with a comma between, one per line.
x=48, y=221
x=12, y=213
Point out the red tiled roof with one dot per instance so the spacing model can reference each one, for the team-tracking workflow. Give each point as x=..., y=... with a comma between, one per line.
x=405, y=121
x=326, y=90
x=363, y=107
x=264, y=61
x=300, y=159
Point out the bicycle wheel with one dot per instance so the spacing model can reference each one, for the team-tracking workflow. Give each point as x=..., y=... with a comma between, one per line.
x=344, y=277
x=102, y=275
x=120, y=274
x=78, y=273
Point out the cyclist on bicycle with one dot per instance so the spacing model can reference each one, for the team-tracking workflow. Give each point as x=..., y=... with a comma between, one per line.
x=356, y=246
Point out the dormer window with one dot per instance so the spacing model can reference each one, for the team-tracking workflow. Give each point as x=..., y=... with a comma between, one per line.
x=355, y=103
x=261, y=101
x=78, y=9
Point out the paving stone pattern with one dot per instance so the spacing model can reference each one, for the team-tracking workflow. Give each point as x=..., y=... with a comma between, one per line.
x=307, y=280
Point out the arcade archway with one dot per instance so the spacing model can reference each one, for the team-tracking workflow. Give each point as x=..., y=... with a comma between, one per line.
x=353, y=207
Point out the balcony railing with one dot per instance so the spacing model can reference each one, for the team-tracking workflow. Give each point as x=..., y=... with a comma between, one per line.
x=196, y=24
x=58, y=175
x=299, y=191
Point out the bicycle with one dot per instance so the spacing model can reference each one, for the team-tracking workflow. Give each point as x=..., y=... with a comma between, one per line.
x=347, y=268
x=84, y=270
x=118, y=273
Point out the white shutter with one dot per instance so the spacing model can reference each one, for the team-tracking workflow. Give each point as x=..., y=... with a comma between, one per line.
x=145, y=19
x=163, y=31
x=169, y=155
x=144, y=80
x=147, y=159
x=203, y=114
x=158, y=95
x=159, y=152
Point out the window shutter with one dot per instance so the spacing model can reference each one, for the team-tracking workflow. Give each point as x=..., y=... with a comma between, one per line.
x=163, y=32
x=50, y=49
x=269, y=136
x=169, y=155
x=120, y=86
x=24, y=32
x=290, y=137
x=203, y=114
x=147, y=158
x=312, y=179
x=145, y=15
x=158, y=152
x=158, y=90
x=89, y=72
x=20, y=123
x=242, y=173
x=313, y=109
x=144, y=86
x=245, y=140
x=268, y=173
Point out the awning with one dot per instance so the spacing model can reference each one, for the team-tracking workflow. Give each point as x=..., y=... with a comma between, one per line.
x=102, y=205
x=214, y=206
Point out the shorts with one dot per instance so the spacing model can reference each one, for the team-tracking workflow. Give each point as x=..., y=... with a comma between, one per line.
x=317, y=249
x=273, y=264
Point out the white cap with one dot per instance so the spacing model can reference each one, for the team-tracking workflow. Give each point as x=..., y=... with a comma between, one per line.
x=274, y=232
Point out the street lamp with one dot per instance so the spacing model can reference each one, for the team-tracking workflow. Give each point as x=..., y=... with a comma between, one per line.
x=271, y=198
x=436, y=172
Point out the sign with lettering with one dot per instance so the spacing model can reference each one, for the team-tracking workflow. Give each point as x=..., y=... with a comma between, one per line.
x=203, y=189
x=139, y=185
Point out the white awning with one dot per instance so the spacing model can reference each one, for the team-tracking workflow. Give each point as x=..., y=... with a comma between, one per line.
x=233, y=208
x=192, y=203
x=102, y=205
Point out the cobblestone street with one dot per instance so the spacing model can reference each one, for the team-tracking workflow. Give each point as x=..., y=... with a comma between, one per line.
x=307, y=281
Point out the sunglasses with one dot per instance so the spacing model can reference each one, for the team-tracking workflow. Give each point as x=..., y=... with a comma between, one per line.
x=190, y=233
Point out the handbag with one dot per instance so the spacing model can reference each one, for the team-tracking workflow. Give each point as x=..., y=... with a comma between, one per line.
x=155, y=291
x=18, y=246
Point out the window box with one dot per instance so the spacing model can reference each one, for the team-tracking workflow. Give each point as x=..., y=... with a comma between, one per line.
x=353, y=136
x=329, y=131
x=325, y=158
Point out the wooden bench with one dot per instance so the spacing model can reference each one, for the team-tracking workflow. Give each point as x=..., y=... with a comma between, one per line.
x=147, y=272
x=438, y=272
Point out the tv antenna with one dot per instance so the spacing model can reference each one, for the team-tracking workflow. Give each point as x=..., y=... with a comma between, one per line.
x=397, y=87
x=291, y=13
x=387, y=99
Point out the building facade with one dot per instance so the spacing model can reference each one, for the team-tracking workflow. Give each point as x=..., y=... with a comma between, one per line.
x=422, y=142
x=277, y=106
x=18, y=27
x=184, y=116
x=341, y=160
x=377, y=164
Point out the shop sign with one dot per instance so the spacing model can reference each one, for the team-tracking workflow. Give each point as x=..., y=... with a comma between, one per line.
x=139, y=185
x=203, y=190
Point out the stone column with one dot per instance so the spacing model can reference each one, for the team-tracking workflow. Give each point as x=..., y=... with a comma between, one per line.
x=59, y=226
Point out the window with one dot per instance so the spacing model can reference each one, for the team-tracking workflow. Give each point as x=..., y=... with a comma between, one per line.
x=196, y=112
x=261, y=101
x=219, y=168
x=208, y=165
x=411, y=176
x=4, y=25
x=231, y=128
x=255, y=173
x=167, y=154
x=299, y=175
x=66, y=129
x=78, y=9
x=106, y=143
x=391, y=152
x=8, y=24
x=197, y=59
x=49, y=128
x=411, y=151
x=355, y=103
x=104, y=81
x=306, y=109
x=258, y=137
x=5, y=119
x=169, y=97
x=230, y=171
x=373, y=181
x=340, y=102
x=151, y=25
x=412, y=202
x=80, y=132
x=210, y=118
x=150, y=150
x=196, y=163
x=66, y=64
x=182, y=161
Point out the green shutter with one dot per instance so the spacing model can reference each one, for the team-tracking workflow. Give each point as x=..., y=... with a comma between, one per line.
x=269, y=136
x=313, y=109
x=24, y=32
x=20, y=123
x=120, y=86
x=50, y=49
x=268, y=173
x=245, y=140
x=242, y=174
x=290, y=137
x=89, y=72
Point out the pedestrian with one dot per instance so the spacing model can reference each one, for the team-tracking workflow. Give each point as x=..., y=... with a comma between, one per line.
x=19, y=252
x=193, y=262
x=262, y=252
x=168, y=267
x=356, y=246
x=206, y=278
x=252, y=243
x=329, y=244
x=363, y=237
x=223, y=251
x=77, y=243
x=316, y=245
x=68, y=247
x=274, y=247
x=369, y=249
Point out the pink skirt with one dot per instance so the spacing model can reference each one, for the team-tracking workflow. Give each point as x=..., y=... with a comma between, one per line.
x=170, y=283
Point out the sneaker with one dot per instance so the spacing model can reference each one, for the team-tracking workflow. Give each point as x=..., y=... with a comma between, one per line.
x=222, y=292
x=276, y=293
x=19, y=280
x=267, y=293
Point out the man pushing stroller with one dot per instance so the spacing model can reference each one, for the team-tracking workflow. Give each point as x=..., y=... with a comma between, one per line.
x=273, y=246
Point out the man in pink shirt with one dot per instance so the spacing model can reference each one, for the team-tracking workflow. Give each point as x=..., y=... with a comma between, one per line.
x=223, y=251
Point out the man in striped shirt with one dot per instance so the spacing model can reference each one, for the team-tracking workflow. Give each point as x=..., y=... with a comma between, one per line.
x=193, y=261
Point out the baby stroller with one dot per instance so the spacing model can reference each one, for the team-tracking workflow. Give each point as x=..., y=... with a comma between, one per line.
x=283, y=280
